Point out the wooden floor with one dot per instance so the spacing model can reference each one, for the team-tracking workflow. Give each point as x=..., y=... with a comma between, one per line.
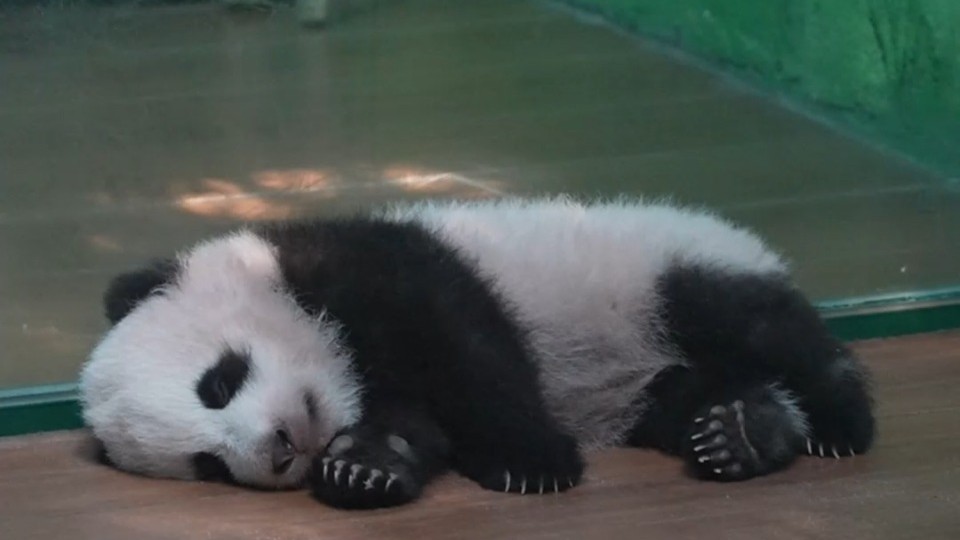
x=909, y=487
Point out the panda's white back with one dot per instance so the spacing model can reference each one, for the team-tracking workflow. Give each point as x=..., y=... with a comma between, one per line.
x=582, y=279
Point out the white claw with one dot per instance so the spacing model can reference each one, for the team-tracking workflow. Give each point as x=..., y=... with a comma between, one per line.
x=698, y=420
x=337, y=467
x=821, y=449
x=506, y=480
x=556, y=486
x=696, y=436
x=699, y=448
x=835, y=454
x=390, y=481
x=354, y=469
x=541, y=485
x=570, y=481
x=809, y=448
x=374, y=474
x=852, y=453
x=523, y=486
x=326, y=463
x=703, y=459
x=717, y=471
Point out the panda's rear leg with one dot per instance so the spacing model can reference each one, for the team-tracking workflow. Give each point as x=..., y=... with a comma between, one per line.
x=739, y=331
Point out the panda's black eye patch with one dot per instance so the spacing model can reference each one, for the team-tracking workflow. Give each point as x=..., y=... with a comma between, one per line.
x=209, y=467
x=221, y=382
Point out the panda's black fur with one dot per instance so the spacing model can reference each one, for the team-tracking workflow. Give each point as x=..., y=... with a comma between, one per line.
x=449, y=377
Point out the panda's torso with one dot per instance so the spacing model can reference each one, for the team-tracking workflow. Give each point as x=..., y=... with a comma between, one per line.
x=578, y=281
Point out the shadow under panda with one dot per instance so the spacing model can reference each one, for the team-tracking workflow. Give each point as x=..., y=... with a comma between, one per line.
x=367, y=355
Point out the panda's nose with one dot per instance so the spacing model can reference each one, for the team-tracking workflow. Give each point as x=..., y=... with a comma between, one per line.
x=283, y=451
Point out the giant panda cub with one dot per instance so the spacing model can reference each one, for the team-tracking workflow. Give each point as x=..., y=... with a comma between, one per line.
x=365, y=356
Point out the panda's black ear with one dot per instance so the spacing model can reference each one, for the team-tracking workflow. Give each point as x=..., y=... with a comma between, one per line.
x=128, y=289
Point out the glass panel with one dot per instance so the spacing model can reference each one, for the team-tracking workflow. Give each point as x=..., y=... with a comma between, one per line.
x=131, y=129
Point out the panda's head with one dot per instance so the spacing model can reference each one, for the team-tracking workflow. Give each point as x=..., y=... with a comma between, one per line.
x=212, y=371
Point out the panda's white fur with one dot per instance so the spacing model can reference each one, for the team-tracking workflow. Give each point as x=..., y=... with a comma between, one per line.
x=583, y=278
x=137, y=388
x=583, y=281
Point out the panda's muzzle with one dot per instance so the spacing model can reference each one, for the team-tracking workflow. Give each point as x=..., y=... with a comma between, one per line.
x=282, y=451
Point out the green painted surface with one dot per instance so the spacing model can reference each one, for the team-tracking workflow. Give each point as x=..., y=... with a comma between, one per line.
x=39, y=417
x=897, y=323
x=890, y=68
x=39, y=408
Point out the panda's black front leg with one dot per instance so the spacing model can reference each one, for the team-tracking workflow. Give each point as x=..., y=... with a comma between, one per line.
x=501, y=433
x=384, y=460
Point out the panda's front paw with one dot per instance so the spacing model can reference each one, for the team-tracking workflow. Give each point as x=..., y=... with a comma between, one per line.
x=535, y=466
x=361, y=470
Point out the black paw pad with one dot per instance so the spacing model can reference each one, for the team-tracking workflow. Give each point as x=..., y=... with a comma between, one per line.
x=719, y=447
x=365, y=471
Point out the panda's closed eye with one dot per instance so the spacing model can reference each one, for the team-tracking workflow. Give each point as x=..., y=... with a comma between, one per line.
x=220, y=383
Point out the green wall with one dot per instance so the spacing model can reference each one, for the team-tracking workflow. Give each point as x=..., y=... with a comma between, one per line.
x=890, y=67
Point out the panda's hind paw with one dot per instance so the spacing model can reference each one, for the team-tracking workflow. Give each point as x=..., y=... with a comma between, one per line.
x=719, y=445
x=754, y=434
